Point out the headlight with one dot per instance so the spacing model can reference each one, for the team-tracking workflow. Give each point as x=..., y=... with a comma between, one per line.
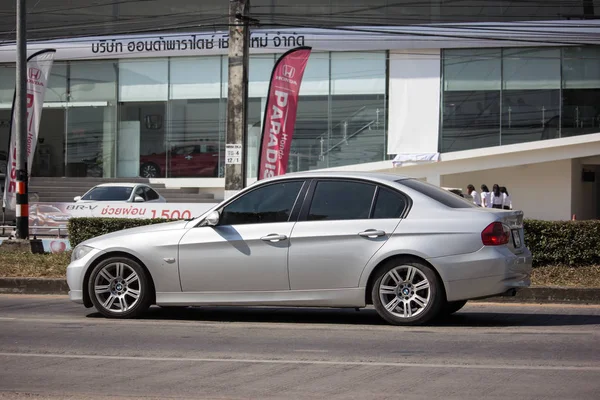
x=80, y=252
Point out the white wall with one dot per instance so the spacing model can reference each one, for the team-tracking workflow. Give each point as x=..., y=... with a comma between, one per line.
x=414, y=101
x=541, y=191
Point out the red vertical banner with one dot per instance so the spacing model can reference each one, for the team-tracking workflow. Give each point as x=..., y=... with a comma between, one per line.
x=38, y=75
x=280, y=112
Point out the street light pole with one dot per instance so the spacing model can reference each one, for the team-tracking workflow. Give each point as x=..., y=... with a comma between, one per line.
x=22, y=201
x=237, y=97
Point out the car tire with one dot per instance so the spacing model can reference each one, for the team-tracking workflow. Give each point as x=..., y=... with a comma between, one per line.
x=452, y=306
x=149, y=170
x=407, y=292
x=120, y=288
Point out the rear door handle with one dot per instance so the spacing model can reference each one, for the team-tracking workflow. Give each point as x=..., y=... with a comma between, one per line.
x=372, y=233
x=273, y=238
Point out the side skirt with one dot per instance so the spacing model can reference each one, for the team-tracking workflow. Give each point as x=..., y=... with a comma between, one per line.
x=352, y=297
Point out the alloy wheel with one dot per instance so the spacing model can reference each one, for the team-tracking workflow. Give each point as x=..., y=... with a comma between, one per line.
x=149, y=171
x=405, y=291
x=117, y=287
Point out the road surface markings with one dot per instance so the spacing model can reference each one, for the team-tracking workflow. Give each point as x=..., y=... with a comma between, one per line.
x=306, y=362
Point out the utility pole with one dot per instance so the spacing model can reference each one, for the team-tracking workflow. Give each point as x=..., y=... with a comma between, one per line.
x=22, y=201
x=237, y=97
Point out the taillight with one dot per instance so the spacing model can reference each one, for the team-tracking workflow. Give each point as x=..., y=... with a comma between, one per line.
x=496, y=234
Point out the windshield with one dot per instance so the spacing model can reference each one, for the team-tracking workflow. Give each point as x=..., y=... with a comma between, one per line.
x=109, y=193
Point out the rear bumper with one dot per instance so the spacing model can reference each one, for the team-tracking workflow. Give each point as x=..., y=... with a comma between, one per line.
x=488, y=272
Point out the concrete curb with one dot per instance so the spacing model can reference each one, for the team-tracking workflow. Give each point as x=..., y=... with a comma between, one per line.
x=552, y=295
x=529, y=295
x=33, y=286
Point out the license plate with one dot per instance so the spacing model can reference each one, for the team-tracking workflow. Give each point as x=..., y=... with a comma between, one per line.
x=516, y=238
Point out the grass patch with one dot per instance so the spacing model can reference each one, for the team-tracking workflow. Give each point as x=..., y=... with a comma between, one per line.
x=55, y=265
x=51, y=265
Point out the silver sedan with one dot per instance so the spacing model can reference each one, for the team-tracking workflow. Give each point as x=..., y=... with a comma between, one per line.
x=413, y=250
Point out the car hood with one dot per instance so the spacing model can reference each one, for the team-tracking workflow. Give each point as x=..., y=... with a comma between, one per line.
x=108, y=240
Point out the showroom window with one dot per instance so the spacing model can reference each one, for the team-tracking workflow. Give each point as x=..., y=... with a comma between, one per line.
x=497, y=97
x=581, y=91
x=137, y=117
x=195, y=139
x=471, y=95
x=341, y=116
x=142, y=133
x=91, y=119
x=530, y=95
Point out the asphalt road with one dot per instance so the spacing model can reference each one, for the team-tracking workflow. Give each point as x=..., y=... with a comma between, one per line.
x=50, y=348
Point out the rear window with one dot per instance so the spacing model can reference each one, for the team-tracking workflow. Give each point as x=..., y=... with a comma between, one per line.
x=438, y=194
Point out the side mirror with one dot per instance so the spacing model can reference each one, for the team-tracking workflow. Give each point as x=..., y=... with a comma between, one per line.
x=77, y=198
x=212, y=219
x=138, y=199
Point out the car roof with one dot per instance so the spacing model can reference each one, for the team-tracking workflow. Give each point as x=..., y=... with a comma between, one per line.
x=377, y=176
x=120, y=184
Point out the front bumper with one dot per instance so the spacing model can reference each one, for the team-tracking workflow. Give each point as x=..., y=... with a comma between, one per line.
x=76, y=272
x=488, y=272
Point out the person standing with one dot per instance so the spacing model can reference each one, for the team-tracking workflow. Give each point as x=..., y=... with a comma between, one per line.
x=496, y=198
x=506, y=200
x=473, y=193
x=485, y=197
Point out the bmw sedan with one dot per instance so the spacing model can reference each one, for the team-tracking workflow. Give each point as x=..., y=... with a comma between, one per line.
x=412, y=250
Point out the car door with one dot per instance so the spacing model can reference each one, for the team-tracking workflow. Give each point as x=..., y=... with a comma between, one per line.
x=248, y=249
x=339, y=230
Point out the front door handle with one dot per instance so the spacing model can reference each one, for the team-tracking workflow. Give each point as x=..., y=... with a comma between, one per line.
x=372, y=233
x=273, y=238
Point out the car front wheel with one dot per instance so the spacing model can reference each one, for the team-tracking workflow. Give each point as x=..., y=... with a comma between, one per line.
x=407, y=293
x=119, y=288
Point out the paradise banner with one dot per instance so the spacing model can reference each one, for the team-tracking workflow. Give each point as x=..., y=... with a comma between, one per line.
x=280, y=112
x=38, y=72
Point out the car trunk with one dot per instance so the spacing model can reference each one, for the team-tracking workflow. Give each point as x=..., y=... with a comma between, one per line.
x=514, y=220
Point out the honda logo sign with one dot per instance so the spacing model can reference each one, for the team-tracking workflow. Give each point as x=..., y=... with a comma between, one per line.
x=289, y=71
x=35, y=74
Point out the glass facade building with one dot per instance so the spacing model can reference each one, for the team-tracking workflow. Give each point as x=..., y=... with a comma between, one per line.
x=493, y=97
x=166, y=117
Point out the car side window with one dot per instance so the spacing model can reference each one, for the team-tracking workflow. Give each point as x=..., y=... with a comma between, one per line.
x=389, y=204
x=140, y=192
x=151, y=194
x=267, y=204
x=341, y=200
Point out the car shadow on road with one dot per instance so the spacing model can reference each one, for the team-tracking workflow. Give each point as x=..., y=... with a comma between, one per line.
x=467, y=318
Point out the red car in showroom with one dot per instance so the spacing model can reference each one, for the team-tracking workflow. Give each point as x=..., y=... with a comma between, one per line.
x=185, y=160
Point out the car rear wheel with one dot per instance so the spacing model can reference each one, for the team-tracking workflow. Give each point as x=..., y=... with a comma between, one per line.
x=119, y=288
x=149, y=170
x=407, y=292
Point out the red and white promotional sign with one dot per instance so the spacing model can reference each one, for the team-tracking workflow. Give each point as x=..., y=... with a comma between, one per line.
x=56, y=215
x=38, y=72
x=280, y=112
